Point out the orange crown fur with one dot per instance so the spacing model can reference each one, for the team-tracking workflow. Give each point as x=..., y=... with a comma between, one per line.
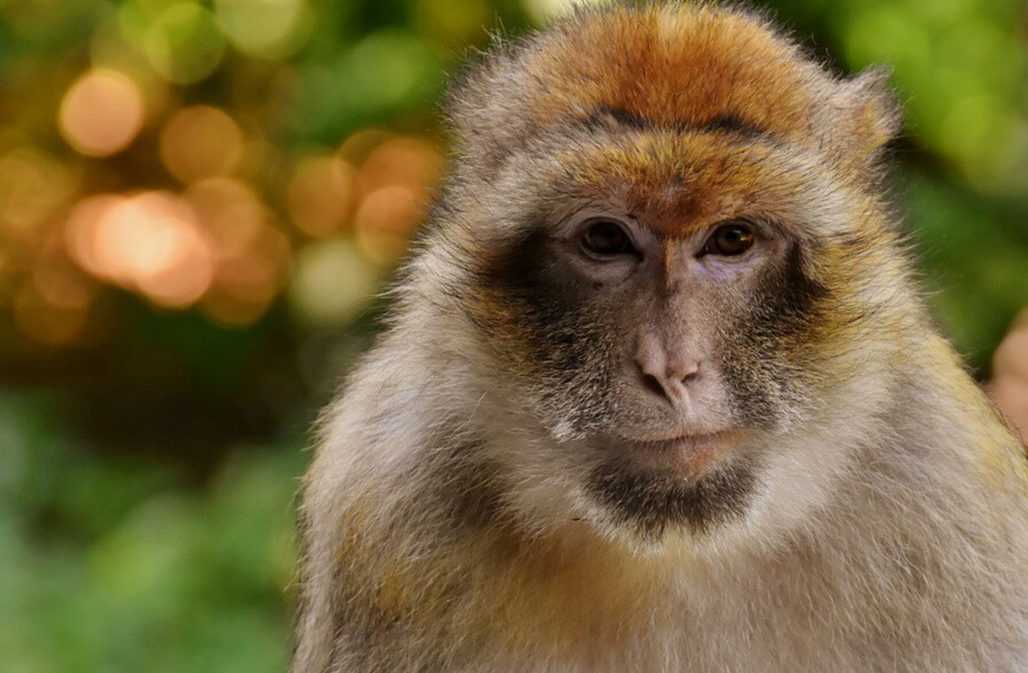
x=674, y=64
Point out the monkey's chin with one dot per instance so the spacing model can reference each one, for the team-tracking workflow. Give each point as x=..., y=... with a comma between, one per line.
x=693, y=485
x=690, y=455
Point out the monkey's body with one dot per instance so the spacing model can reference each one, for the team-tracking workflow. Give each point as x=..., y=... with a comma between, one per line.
x=464, y=513
x=916, y=565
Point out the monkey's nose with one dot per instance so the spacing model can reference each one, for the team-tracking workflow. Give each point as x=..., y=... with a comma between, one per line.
x=665, y=373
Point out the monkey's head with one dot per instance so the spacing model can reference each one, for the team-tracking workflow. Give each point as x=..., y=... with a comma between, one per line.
x=664, y=225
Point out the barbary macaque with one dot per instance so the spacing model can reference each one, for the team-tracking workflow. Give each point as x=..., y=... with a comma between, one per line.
x=659, y=392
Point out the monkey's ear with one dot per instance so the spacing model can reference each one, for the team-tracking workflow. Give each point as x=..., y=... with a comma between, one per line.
x=869, y=114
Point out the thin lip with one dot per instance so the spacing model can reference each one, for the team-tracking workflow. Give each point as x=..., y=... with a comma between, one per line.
x=694, y=440
x=690, y=455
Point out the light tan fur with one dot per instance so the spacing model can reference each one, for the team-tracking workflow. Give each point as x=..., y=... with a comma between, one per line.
x=444, y=533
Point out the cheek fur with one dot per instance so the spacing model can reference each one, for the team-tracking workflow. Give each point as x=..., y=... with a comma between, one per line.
x=765, y=352
x=551, y=334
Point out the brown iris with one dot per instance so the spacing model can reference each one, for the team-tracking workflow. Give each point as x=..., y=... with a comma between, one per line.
x=605, y=238
x=730, y=240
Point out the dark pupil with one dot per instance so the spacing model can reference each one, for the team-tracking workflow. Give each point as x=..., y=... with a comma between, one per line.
x=606, y=238
x=733, y=240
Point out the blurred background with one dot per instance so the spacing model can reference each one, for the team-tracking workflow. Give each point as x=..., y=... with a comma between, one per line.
x=198, y=204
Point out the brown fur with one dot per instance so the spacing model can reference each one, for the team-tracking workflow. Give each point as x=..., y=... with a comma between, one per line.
x=689, y=65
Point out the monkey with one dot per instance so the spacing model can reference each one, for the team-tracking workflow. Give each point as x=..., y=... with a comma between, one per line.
x=659, y=390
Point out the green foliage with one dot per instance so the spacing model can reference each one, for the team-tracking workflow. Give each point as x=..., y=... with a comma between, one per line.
x=117, y=565
x=385, y=74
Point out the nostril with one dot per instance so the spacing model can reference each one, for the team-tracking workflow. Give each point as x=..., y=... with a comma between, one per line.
x=651, y=383
x=685, y=372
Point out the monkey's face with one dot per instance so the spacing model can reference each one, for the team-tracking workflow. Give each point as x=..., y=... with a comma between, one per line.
x=657, y=298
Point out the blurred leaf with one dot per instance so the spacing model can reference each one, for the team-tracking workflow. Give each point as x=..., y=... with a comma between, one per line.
x=382, y=75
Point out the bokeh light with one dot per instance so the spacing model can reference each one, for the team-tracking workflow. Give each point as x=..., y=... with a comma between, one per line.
x=33, y=186
x=386, y=218
x=231, y=211
x=101, y=113
x=200, y=142
x=321, y=194
x=63, y=286
x=265, y=28
x=150, y=242
x=184, y=43
x=332, y=283
x=247, y=283
x=252, y=256
x=411, y=162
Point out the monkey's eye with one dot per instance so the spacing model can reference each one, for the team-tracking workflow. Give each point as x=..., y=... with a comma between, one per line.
x=604, y=239
x=730, y=240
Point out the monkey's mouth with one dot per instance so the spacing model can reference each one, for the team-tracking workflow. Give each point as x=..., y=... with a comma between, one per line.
x=691, y=455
